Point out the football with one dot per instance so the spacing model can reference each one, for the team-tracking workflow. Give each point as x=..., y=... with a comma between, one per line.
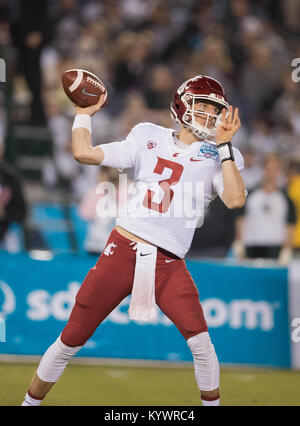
x=83, y=88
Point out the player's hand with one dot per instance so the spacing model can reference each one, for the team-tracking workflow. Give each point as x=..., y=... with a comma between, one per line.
x=229, y=125
x=92, y=109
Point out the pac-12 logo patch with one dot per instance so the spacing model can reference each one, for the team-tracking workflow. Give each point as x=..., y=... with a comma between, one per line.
x=151, y=144
x=208, y=150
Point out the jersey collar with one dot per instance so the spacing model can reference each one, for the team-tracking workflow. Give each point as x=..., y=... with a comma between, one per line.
x=173, y=147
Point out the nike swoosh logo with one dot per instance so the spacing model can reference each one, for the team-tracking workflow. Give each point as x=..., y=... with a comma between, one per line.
x=145, y=254
x=84, y=92
x=169, y=260
x=192, y=159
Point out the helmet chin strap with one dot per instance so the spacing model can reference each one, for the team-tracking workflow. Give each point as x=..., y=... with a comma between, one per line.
x=203, y=135
x=199, y=133
x=202, y=131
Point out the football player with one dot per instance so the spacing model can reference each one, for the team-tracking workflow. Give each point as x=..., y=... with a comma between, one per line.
x=144, y=255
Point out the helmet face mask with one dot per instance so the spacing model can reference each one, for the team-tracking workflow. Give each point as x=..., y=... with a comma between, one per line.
x=206, y=130
x=199, y=89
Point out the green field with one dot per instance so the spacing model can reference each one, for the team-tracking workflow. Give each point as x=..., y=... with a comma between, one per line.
x=129, y=386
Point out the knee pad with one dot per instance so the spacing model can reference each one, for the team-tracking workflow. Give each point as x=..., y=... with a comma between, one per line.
x=206, y=364
x=55, y=360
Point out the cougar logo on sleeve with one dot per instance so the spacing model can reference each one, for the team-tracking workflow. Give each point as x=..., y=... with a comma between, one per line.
x=151, y=144
x=110, y=249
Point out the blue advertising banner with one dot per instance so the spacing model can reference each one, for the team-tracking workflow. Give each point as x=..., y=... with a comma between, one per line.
x=246, y=310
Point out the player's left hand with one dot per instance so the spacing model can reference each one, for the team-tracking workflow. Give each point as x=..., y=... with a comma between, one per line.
x=229, y=125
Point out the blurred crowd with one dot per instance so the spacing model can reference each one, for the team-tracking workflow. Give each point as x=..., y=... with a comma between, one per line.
x=143, y=50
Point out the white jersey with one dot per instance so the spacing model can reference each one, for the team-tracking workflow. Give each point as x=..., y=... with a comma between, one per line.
x=173, y=185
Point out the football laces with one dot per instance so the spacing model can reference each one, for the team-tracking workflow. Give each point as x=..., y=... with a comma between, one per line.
x=95, y=83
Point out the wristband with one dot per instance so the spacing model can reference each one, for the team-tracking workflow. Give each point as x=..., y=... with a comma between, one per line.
x=225, y=151
x=82, y=120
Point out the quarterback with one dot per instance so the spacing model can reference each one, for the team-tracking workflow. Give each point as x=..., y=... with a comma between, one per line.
x=144, y=255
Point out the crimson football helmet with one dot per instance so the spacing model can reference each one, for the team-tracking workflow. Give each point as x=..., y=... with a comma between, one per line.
x=199, y=88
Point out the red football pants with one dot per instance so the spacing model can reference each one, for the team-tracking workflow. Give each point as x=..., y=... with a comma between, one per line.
x=111, y=280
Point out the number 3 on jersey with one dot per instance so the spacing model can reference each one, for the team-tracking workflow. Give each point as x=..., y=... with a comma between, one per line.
x=165, y=185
